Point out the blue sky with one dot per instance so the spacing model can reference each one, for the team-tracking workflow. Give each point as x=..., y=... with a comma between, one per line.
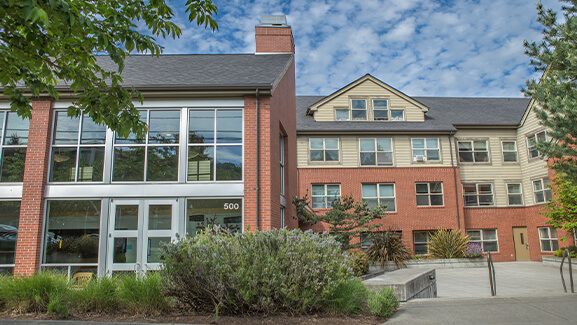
x=421, y=47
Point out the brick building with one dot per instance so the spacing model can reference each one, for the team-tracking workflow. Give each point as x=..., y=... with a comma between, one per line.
x=226, y=135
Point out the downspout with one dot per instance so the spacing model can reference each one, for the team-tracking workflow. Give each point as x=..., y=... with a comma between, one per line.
x=455, y=181
x=257, y=210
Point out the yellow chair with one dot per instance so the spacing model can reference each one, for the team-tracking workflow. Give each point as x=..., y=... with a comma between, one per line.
x=81, y=279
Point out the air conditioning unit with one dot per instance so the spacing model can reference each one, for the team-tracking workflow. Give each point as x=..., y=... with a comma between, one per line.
x=419, y=158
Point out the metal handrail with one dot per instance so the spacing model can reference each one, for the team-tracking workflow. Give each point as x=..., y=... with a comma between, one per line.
x=567, y=254
x=492, y=281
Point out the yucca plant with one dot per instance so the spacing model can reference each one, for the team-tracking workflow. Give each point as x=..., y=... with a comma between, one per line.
x=388, y=246
x=448, y=244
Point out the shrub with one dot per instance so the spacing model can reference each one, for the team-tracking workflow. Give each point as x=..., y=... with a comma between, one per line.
x=388, y=246
x=350, y=297
x=34, y=293
x=97, y=296
x=572, y=251
x=447, y=244
x=360, y=263
x=261, y=271
x=383, y=303
x=57, y=305
x=143, y=295
x=473, y=250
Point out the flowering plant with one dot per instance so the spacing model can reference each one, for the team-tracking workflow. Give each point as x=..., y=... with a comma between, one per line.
x=473, y=250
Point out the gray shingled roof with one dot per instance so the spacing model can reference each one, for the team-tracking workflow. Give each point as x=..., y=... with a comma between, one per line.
x=444, y=114
x=201, y=71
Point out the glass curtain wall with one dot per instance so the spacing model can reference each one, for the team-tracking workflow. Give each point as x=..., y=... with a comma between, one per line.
x=14, y=133
x=9, y=217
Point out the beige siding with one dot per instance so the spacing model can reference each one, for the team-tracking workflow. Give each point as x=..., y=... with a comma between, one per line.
x=369, y=90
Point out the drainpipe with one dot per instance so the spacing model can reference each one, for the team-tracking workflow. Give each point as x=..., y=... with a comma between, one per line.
x=455, y=181
x=257, y=163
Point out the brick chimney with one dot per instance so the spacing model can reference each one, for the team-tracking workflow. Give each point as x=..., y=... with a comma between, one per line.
x=273, y=35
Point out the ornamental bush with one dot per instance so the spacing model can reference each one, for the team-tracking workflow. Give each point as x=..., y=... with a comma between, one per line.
x=448, y=244
x=266, y=272
x=360, y=262
x=473, y=250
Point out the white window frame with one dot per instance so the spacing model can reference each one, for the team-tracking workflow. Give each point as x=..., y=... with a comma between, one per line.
x=545, y=188
x=426, y=243
x=429, y=194
x=532, y=140
x=550, y=231
x=477, y=194
x=327, y=203
x=388, y=118
x=353, y=109
x=324, y=150
x=481, y=242
x=396, y=119
x=426, y=148
x=282, y=218
x=379, y=197
x=376, y=152
x=343, y=110
x=509, y=151
x=520, y=194
x=282, y=164
x=473, y=151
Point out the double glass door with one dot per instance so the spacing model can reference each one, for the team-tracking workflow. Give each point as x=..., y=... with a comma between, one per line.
x=136, y=231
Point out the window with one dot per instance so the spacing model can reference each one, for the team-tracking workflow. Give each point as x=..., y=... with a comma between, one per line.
x=421, y=241
x=359, y=109
x=428, y=148
x=215, y=145
x=72, y=234
x=9, y=218
x=515, y=194
x=376, y=152
x=509, y=151
x=282, y=212
x=342, y=115
x=548, y=239
x=322, y=149
x=541, y=190
x=281, y=150
x=202, y=213
x=77, y=149
x=154, y=157
x=366, y=237
x=429, y=194
x=380, y=194
x=397, y=115
x=473, y=151
x=323, y=195
x=478, y=194
x=380, y=109
x=486, y=238
x=532, y=143
x=14, y=138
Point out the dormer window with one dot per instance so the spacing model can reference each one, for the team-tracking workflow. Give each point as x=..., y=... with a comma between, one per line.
x=381, y=109
x=342, y=114
x=397, y=115
x=359, y=109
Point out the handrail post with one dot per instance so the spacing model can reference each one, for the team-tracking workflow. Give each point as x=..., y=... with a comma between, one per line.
x=567, y=254
x=492, y=281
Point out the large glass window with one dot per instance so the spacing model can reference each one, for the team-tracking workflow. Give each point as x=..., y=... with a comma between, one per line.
x=215, y=145
x=14, y=133
x=77, y=149
x=376, y=152
x=426, y=149
x=323, y=195
x=380, y=194
x=478, y=194
x=486, y=238
x=153, y=157
x=542, y=190
x=324, y=149
x=548, y=239
x=72, y=232
x=429, y=194
x=202, y=213
x=473, y=151
x=9, y=218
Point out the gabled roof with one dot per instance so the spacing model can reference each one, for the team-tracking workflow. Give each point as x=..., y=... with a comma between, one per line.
x=362, y=79
x=232, y=71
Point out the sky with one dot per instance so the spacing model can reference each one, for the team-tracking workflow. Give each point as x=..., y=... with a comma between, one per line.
x=460, y=48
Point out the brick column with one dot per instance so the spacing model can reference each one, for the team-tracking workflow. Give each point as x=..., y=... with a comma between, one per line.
x=35, y=177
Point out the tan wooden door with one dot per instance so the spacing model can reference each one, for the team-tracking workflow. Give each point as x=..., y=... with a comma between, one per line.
x=521, y=244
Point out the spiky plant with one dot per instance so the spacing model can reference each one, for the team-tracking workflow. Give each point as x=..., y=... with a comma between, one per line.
x=448, y=244
x=388, y=246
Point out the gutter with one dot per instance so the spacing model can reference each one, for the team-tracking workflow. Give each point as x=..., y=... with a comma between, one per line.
x=257, y=210
x=455, y=181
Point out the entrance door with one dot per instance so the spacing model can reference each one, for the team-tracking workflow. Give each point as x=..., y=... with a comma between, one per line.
x=521, y=244
x=136, y=230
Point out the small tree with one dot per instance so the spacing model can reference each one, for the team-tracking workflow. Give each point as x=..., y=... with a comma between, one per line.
x=347, y=219
x=562, y=208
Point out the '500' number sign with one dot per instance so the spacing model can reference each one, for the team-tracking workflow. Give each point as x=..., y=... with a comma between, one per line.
x=231, y=206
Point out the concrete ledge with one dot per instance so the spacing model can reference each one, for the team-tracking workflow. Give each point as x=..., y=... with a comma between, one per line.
x=406, y=283
x=451, y=263
x=556, y=262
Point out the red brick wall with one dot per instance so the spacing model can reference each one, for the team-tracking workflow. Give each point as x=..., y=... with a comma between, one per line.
x=274, y=40
x=35, y=176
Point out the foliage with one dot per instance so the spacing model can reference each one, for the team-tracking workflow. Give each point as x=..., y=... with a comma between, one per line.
x=57, y=305
x=562, y=208
x=382, y=303
x=99, y=296
x=572, y=251
x=265, y=272
x=350, y=297
x=50, y=43
x=556, y=92
x=34, y=293
x=473, y=250
x=360, y=262
x=448, y=244
x=347, y=219
x=388, y=246
x=143, y=295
